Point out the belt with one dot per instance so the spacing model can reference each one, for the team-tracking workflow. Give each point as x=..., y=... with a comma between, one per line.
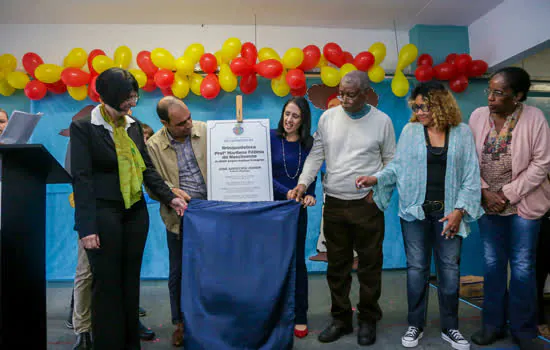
x=433, y=206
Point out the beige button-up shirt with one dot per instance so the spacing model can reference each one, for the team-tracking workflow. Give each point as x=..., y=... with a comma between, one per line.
x=165, y=159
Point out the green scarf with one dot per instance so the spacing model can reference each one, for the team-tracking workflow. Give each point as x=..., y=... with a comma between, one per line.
x=130, y=162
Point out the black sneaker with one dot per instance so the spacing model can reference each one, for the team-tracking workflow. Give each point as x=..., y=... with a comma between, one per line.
x=453, y=337
x=411, y=337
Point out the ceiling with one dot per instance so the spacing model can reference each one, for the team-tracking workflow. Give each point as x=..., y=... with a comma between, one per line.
x=359, y=14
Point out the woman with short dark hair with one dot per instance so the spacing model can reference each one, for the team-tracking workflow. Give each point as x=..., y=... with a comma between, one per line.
x=512, y=143
x=109, y=164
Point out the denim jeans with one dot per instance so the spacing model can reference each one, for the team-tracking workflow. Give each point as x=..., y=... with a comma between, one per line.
x=510, y=239
x=420, y=237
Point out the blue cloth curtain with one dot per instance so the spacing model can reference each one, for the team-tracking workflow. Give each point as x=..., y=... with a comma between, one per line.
x=239, y=274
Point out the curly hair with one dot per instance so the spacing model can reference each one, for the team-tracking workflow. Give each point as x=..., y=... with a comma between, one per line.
x=440, y=102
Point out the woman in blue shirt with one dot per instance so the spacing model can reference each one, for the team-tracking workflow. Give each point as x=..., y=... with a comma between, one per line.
x=436, y=173
x=290, y=145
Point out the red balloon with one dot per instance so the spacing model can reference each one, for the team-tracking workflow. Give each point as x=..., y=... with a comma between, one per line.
x=150, y=85
x=31, y=60
x=92, y=93
x=348, y=57
x=425, y=60
x=91, y=57
x=164, y=78
x=296, y=78
x=424, y=73
x=239, y=66
x=167, y=91
x=451, y=58
x=208, y=63
x=462, y=63
x=334, y=54
x=459, y=84
x=75, y=77
x=269, y=69
x=35, y=90
x=312, y=55
x=299, y=92
x=210, y=86
x=248, y=83
x=445, y=71
x=477, y=68
x=92, y=87
x=249, y=53
x=363, y=61
x=146, y=64
x=58, y=87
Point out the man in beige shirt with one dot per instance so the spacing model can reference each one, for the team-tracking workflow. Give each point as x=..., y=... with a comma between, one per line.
x=178, y=151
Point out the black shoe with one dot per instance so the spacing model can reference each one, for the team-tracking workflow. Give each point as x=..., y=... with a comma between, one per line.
x=487, y=337
x=83, y=342
x=142, y=312
x=366, y=334
x=69, y=320
x=334, y=332
x=145, y=333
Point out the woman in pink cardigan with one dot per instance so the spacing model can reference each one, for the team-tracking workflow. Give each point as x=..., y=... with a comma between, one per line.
x=513, y=146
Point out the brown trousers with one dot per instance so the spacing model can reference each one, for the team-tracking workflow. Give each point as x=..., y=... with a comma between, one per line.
x=350, y=224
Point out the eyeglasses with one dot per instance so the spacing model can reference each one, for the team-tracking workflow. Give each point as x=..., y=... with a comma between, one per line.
x=496, y=93
x=132, y=99
x=424, y=108
x=352, y=96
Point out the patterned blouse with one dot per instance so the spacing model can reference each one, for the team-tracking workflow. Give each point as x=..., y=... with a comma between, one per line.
x=496, y=158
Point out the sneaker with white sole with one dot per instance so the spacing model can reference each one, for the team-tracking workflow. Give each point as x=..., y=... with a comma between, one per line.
x=411, y=337
x=453, y=337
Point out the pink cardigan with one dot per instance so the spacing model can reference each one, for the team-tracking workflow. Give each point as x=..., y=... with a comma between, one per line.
x=530, y=186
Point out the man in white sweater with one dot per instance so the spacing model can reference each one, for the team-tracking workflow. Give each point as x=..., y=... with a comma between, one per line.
x=354, y=139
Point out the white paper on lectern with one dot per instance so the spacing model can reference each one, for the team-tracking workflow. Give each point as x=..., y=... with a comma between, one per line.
x=239, y=160
x=20, y=127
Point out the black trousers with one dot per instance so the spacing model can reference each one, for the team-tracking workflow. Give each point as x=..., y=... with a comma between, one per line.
x=301, y=292
x=116, y=268
x=175, y=251
x=543, y=266
x=350, y=224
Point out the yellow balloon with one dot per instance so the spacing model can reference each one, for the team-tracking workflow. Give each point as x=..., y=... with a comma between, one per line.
x=194, y=52
x=5, y=88
x=185, y=66
x=180, y=87
x=101, y=63
x=407, y=55
x=376, y=74
x=346, y=68
x=378, y=50
x=76, y=58
x=162, y=58
x=221, y=57
x=78, y=93
x=18, y=79
x=231, y=48
x=48, y=73
x=123, y=57
x=2, y=74
x=228, y=80
x=280, y=86
x=140, y=76
x=8, y=62
x=195, y=81
x=330, y=76
x=322, y=62
x=293, y=58
x=399, y=84
x=267, y=53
